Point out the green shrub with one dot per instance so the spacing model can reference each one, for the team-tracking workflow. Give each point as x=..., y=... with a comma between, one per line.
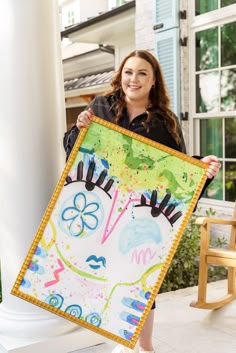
x=183, y=270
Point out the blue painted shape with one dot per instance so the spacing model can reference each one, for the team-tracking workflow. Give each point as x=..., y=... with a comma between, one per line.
x=126, y=334
x=134, y=304
x=130, y=318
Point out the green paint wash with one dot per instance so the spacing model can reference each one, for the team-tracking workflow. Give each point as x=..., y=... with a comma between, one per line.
x=141, y=162
x=137, y=165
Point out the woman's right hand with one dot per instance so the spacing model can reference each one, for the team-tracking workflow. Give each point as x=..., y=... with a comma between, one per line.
x=84, y=118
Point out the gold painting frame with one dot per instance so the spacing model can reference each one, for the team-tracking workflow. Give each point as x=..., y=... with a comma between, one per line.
x=123, y=154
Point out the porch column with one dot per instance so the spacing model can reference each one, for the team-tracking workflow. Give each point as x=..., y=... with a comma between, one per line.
x=32, y=125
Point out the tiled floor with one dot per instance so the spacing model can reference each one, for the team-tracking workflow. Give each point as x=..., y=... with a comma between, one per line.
x=182, y=329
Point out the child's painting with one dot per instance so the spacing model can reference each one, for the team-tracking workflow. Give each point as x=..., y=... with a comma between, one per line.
x=110, y=231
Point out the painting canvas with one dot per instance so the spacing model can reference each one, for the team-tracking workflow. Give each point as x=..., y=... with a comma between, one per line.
x=110, y=231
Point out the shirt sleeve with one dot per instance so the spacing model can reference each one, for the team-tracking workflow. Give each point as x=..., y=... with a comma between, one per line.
x=71, y=135
x=69, y=140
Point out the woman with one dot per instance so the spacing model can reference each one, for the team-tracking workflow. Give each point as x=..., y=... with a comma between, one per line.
x=138, y=101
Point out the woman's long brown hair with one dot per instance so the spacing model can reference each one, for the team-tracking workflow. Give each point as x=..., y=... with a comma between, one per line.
x=158, y=96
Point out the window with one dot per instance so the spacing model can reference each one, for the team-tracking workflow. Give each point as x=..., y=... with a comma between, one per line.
x=71, y=14
x=71, y=18
x=214, y=92
x=216, y=69
x=120, y=2
x=116, y=3
x=203, y=6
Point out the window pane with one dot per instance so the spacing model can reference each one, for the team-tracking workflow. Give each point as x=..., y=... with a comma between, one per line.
x=228, y=90
x=120, y=2
x=230, y=181
x=207, y=49
x=211, y=137
x=207, y=92
x=230, y=138
x=202, y=6
x=228, y=44
x=227, y=2
x=215, y=190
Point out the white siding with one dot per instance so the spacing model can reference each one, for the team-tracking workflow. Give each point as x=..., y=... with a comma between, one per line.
x=144, y=34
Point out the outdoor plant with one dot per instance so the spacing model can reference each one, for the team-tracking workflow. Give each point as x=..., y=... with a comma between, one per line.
x=183, y=270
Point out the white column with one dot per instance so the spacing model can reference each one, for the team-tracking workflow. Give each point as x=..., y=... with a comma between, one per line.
x=32, y=124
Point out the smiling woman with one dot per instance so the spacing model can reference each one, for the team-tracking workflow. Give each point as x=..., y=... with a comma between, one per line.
x=137, y=81
x=139, y=102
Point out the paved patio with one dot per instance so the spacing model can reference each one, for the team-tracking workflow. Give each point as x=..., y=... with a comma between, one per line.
x=182, y=329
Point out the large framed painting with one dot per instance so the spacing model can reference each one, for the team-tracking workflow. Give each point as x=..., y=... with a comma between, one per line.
x=110, y=231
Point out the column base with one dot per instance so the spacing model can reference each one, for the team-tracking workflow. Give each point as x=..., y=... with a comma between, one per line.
x=67, y=343
x=33, y=325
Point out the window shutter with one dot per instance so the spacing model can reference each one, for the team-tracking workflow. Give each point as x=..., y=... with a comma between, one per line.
x=166, y=14
x=168, y=55
x=167, y=40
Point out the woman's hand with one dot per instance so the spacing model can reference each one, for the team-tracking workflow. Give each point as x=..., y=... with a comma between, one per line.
x=84, y=118
x=213, y=165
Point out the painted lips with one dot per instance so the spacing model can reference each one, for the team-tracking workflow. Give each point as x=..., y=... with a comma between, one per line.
x=96, y=262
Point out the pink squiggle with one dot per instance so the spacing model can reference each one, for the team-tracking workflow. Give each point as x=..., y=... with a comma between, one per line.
x=56, y=274
x=144, y=254
x=107, y=233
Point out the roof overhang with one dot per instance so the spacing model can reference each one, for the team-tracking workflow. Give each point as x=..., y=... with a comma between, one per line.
x=88, y=63
x=107, y=28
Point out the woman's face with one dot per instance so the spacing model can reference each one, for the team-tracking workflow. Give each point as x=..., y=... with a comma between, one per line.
x=137, y=79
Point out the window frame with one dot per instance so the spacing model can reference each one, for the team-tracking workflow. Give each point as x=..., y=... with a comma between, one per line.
x=198, y=23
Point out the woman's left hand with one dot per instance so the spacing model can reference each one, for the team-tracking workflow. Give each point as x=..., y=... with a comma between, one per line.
x=213, y=165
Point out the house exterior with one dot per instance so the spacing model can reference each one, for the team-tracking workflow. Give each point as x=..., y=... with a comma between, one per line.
x=195, y=44
x=97, y=44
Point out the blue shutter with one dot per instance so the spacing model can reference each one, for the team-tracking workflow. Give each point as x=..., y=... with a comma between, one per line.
x=166, y=14
x=167, y=44
x=168, y=55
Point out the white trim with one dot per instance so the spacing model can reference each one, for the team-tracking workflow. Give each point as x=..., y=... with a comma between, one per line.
x=213, y=17
x=220, y=68
x=213, y=24
x=192, y=97
x=217, y=205
x=196, y=138
x=225, y=114
x=224, y=159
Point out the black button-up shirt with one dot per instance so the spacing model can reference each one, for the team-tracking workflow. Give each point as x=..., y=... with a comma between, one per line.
x=102, y=108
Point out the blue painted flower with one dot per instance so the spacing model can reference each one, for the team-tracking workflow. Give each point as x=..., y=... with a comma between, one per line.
x=81, y=217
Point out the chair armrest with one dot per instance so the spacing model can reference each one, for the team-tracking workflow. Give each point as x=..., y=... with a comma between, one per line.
x=204, y=220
